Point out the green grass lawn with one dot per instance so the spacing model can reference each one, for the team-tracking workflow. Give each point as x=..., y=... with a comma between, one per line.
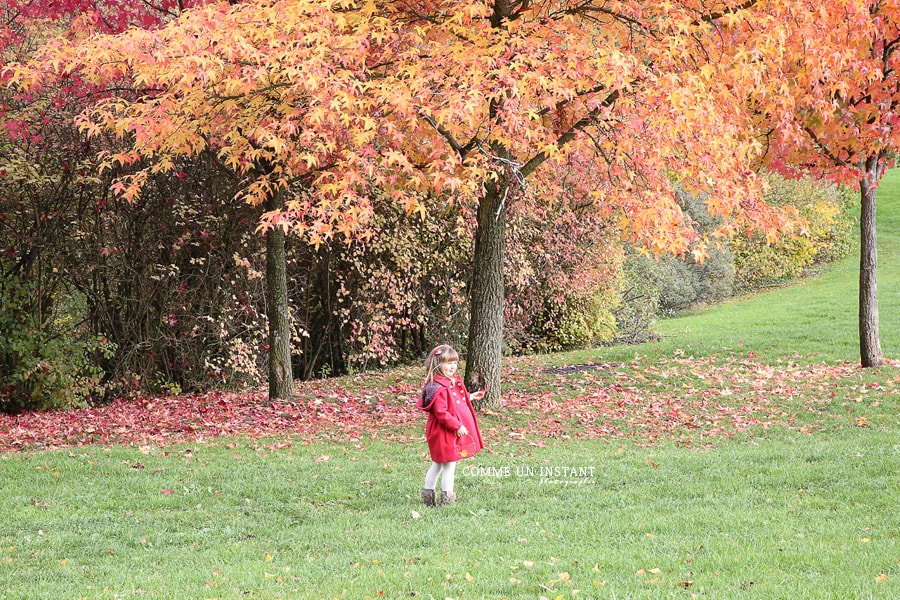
x=742, y=456
x=790, y=517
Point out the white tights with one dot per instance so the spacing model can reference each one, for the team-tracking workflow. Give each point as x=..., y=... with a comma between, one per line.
x=431, y=477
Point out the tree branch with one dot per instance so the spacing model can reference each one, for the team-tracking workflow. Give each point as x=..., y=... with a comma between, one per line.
x=828, y=154
x=460, y=149
x=718, y=15
x=538, y=159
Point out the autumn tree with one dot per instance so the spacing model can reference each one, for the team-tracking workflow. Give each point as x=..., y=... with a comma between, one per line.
x=278, y=107
x=497, y=95
x=821, y=82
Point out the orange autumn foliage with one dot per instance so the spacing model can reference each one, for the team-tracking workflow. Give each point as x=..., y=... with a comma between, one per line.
x=330, y=101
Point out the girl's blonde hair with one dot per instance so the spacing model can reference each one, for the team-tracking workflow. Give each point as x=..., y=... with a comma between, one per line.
x=437, y=357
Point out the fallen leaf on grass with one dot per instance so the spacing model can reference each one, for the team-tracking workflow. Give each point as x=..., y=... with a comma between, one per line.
x=692, y=401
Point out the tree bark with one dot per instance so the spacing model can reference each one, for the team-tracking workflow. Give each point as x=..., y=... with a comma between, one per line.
x=485, y=343
x=281, y=384
x=869, y=344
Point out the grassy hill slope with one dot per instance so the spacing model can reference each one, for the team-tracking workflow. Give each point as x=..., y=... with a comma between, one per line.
x=816, y=318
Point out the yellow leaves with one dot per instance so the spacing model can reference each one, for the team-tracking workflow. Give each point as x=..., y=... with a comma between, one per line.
x=24, y=77
x=656, y=572
x=550, y=150
x=311, y=160
x=414, y=205
x=732, y=18
x=89, y=127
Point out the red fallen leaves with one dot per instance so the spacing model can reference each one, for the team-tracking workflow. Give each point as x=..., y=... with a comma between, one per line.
x=680, y=399
x=676, y=398
x=334, y=414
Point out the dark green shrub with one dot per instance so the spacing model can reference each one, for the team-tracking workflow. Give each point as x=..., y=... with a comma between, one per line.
x=684, y=283
x=48, y=360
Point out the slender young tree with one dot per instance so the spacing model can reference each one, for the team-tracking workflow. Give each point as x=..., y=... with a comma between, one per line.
x=822, y=84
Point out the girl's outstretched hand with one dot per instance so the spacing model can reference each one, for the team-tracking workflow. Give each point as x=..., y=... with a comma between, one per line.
x=477, y=395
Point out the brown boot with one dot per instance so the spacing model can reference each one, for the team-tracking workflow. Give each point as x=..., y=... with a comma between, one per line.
x=448, y=498
x=428, y=497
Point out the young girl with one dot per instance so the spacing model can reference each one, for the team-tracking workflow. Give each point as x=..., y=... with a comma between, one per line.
x=452, y=430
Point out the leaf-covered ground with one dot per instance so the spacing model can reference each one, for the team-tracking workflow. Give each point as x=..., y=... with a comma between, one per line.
x=691, y=401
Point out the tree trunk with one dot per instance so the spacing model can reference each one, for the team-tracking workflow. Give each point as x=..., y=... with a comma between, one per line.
x=485, y=343
x=487, y=294
x=281, y=384
x=869, y=344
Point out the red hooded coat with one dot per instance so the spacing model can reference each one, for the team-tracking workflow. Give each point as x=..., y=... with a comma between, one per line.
x=449, y=407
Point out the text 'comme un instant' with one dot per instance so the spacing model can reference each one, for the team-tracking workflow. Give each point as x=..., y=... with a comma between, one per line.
x=546, y=474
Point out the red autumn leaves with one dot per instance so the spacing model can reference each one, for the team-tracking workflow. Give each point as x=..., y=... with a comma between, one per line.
x=685, y=399
x=317, y=411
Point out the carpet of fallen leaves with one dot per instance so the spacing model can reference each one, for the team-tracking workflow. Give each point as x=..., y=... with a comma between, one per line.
x=696, y=400
x=685, y=399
